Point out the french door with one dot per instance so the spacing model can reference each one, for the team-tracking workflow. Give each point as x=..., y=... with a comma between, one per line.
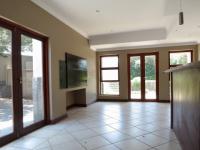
x=143, y=76
x=23, y=81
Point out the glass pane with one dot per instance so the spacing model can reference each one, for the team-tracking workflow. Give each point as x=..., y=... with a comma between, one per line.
x=110, y=74
x=180, y=58
x=110, y=88
x=6, y=101
x=150, y=77
x=32, y=80
x=107, y=62
x=135, y=76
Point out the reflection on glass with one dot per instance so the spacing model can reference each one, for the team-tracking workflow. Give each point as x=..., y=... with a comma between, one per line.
x=109, y=61
x=32, y=80
x=110, y=88
x=135, y=76
x=110, y=74
x=6, y=101
x=150, y=77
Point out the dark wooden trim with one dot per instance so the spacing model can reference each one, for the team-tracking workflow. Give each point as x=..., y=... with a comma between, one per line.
x=46, y=79
x=33, y=127
x=17, y=31
x=178, y=51
x=130, y=100
x=45, y=66
x=157, y=76
x=11, y=25
x=163, y=101
x=76, y=105
x=142, y=59
x=58, y=119
x=110, y=81
x=80, y=105
x=172, y=101
x=181, y=51
x=6, y=139
x=108, y=68
x=113, y=100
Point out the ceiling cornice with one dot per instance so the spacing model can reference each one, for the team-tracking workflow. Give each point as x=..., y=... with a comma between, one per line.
x=153, y=45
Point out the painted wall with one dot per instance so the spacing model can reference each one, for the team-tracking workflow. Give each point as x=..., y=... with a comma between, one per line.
x=62, y=39
x=163, y=65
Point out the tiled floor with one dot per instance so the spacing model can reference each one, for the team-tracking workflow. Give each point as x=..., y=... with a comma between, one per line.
x=106, y=126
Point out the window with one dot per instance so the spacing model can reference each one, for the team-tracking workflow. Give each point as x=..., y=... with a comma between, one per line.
x=178, y=58
x=109, y=75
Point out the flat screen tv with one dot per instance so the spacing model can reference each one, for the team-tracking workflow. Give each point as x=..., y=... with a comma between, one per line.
x=76, y=71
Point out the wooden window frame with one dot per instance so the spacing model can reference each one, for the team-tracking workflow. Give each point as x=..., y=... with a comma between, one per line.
x=181, y=51
x=108, y=68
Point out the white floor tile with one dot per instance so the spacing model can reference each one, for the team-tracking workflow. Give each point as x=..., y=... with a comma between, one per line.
x=83, y=134
x=61, y=138
x=106, y=126
x=12, y=148
x=152, y=140
x=103, y=129
x=134, y=132
x=167, y=133
x=115, y=136
x=132, y=144
x=44, y=145
x=108, y=147
x=94, y=142
x=28, y=142
x=72, y=145
x=169, y=146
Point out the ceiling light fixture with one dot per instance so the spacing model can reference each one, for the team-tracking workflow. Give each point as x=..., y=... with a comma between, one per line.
x=97, y=11
x=181, y=15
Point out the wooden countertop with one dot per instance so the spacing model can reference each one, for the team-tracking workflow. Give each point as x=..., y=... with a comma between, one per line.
x=195, y=65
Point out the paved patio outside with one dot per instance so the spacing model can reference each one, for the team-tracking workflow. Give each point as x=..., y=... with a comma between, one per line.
x=6, y=115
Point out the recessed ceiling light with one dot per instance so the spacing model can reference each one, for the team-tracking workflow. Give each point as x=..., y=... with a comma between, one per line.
x=97, y=11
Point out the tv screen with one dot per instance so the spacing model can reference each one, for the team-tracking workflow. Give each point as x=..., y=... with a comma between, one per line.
x=76, y=71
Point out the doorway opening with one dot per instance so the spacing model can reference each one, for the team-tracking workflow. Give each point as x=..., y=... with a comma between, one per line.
x=24, y=104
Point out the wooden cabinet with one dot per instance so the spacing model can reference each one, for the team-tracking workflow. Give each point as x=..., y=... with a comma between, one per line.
x=186, y=105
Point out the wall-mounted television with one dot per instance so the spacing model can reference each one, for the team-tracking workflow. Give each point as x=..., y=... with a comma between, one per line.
x=76, y=71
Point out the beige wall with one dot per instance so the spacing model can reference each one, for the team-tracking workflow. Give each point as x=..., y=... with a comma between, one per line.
x=62, y=39
x=163, y=65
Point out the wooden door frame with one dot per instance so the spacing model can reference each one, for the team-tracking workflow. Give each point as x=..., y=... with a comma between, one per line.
x=17, y=30
x=142, y=57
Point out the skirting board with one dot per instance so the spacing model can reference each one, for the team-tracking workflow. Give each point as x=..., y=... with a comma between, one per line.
x=126, y=100
x=80, y=105
x=58, y=119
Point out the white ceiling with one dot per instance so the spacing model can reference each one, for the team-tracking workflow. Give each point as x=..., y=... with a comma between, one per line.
x=118, y=20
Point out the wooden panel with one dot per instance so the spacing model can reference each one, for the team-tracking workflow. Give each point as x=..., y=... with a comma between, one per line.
x=186, y=108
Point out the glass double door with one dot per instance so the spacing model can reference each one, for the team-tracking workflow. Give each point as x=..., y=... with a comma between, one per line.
x=143, y=76
x=21, y=83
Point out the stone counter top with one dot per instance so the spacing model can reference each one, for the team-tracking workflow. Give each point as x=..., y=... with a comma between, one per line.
x=195, y=65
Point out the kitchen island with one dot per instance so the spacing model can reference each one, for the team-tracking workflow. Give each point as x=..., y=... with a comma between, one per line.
x=185, y=104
